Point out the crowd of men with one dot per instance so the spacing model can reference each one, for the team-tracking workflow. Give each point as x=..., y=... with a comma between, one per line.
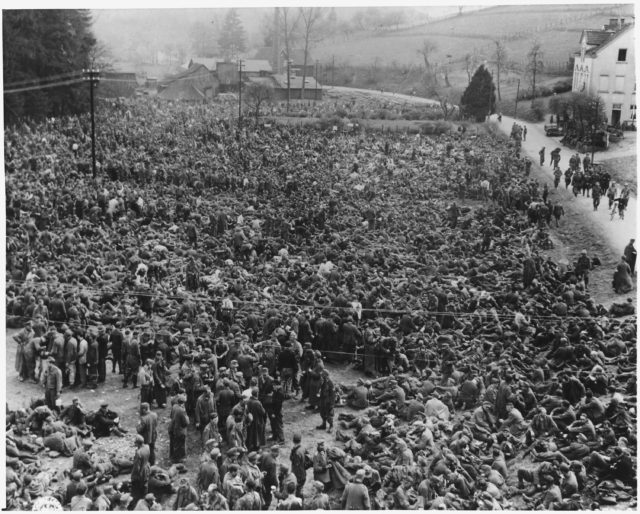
x=224, y=273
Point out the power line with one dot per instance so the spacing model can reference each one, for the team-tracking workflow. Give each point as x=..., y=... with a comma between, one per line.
x=44, y=86
x=44, y=79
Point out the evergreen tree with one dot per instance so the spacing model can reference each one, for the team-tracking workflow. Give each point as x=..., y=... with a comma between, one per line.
x=42, y=47
x=232, y=38
x=479, y=99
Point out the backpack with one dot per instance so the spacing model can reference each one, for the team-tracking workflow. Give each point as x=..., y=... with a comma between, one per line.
x=308, y=459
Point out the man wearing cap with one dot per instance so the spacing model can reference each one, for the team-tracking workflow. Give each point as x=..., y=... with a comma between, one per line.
x=215, y=499
x=148, y=428
x=116, y=338
x=178, y=431
x=250, y=469
x=103, y=350
x=141, y=469
x=355, y=495
x=257, y=421
x=327, y=401
x=583, y=266
x=131, y=359
x=321, y=466
x=208, y=472
x=205, y=409
x=318, y=500
x=70, y=358
x=145, y=381
x=187, y=495
x=148, y=503
x=53, y=385
x=358, y=398
x=81, y=362
x=105, y=422
x=74, y=414
x=298, y=462
x=269, y=467
x=160, y=380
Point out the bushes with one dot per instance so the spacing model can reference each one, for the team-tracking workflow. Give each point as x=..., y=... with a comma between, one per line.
x=436, y=127
x=562, y=86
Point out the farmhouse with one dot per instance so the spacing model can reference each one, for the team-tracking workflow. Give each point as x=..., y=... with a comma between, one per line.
x=197, y=84
x=605, y=66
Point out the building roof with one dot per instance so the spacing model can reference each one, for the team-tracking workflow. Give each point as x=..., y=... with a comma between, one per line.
x=209, y=62
x=598, y=39
x=181, y=91
x=297, y=55
x=196, y=71
x=296, y=82
x=256, y=66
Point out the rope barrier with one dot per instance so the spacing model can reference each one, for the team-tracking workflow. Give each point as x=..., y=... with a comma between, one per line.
x=69, y=287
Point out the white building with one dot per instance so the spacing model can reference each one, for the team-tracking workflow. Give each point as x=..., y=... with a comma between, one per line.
x=606, y=66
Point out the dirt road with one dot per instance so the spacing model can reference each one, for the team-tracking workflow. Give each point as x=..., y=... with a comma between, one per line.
x=616, y=233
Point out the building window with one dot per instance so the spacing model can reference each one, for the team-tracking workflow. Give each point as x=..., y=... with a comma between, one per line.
x=619, y=84
x=603, y=85
x=622, y=55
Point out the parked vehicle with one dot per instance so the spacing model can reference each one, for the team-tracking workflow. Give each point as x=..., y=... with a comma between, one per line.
x=554, y=130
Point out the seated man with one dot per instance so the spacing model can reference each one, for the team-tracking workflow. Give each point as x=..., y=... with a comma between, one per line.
x=106, y=422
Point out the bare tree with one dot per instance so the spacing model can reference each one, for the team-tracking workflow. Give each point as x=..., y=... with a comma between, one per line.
x=310, y=16
x=427, y=50
x=500, y=60
x=534, y=67
x=256, y=95
x=100, y=57
x=289, y=23
x=446, y=106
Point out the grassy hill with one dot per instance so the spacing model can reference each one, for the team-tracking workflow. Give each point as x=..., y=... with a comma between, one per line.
x=557, y=27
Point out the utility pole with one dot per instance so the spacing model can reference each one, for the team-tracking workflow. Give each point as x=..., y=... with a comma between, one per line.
x=239, y=94
x=93, y=77
x=333, y=68
x=515, y=114
x=288, y=83
x=315, y=77
x=594, y=127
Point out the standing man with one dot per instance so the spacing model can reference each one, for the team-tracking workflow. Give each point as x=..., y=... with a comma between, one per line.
x=160, y=381
x=630, y=255
x=141, y=469
x=327, y=400
x=269, y=468
x=356, y=495
x=145, y=380
x=116, y=338
x=103, y=350
x=83, y=349
x=596, y=193
x=524, y=133
x=148, y=429
x=205, y=409
x=131, y=359
x=541, y=154
x=297, y=458
x=583, y=267
x=258, y=417
x=178, y=431
x=53, y=384
x=70, y=357
x=274, y=411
